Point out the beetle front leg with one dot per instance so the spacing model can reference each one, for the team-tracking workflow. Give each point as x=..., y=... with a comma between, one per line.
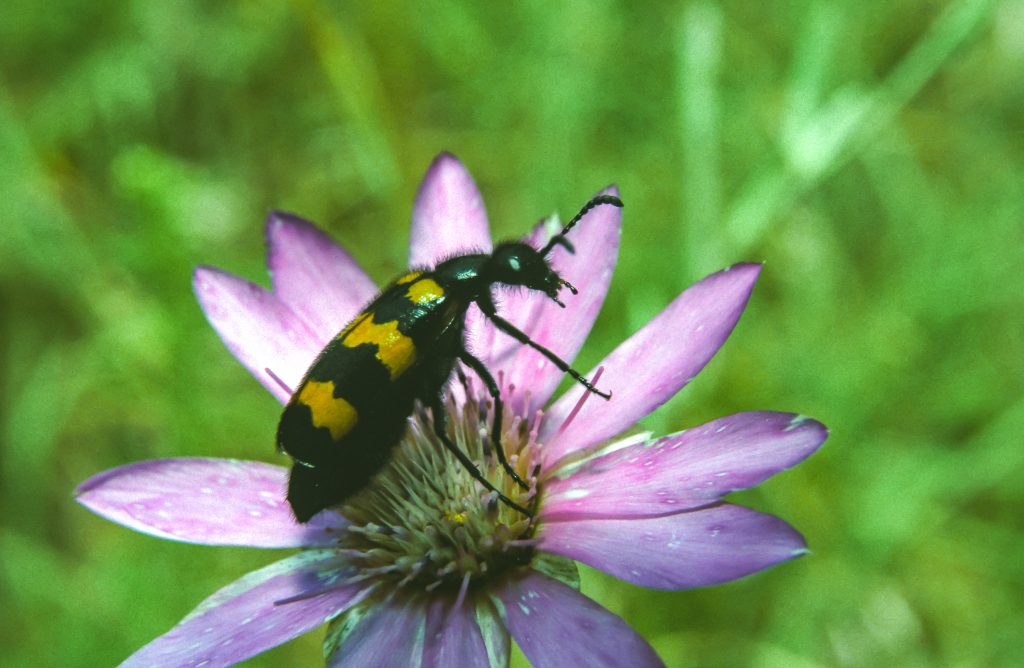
x=487, y=306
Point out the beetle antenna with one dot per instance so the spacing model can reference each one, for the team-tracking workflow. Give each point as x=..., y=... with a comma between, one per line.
x=560, y=240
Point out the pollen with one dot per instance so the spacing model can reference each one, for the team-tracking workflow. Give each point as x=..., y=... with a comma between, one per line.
x=460, y=518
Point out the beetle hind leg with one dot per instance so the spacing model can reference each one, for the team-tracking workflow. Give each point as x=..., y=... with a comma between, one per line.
x=478, y=367
x=439, y=418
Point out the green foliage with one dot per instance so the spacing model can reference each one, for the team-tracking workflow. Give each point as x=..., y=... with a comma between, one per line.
x=870, y=153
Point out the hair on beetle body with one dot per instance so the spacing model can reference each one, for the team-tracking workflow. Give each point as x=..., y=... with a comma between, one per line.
x=352, y=407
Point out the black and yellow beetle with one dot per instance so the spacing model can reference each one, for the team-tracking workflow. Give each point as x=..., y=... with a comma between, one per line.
x=353, y=404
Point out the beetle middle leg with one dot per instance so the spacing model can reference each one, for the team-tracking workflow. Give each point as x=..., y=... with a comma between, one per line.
x=478, y=367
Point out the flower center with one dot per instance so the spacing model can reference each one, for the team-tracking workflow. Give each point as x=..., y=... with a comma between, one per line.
x=426, y=523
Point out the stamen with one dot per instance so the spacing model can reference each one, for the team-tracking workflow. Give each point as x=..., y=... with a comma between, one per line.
x=463, y=588
x=579, y=404
x=277, y=379
x=313, y=593
x=524, y=405
x=524, y=542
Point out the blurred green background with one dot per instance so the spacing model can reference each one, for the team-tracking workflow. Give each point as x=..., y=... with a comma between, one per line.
x=870, y=153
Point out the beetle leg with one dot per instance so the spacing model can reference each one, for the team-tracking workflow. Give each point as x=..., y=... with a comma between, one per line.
x=440, y=419
x=488, y=309
x=478, y=367
x=461, y=375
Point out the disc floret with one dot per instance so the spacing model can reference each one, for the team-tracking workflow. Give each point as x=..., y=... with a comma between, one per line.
x=426, y=523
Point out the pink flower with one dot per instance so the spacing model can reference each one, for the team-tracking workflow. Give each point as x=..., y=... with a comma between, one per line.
x=425, y=568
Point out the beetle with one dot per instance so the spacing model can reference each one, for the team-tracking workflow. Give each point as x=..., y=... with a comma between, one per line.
x=352, y=407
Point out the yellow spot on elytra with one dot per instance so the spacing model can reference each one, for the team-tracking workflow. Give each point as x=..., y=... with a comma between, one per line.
x=352, y=325
x=395, y=350
x=425, y=291
x=408, y=278
x=329, y=411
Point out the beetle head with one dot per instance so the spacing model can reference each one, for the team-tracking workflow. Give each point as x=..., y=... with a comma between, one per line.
x=515, y=263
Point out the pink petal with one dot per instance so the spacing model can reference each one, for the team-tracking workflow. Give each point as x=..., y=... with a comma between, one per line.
x=557, y=626
x=653, y=364
x=315, y=277
x=448, y=217
x=692, y=549
x=596, y=238
x=259, y=330
x=208, y=501
x=693, y=468
x=244, y=619
x=390, y=635
x=452, y=636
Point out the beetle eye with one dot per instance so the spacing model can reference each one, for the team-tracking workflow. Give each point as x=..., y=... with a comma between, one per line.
x=513, y=263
